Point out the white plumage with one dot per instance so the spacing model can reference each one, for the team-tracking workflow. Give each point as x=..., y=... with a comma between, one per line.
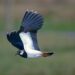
x=28, y=45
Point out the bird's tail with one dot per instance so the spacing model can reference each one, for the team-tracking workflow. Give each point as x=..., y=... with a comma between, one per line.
x=46, y=54
x=32, y=21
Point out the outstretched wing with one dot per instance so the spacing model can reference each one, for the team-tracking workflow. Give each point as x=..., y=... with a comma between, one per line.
x=15, y=40
x=32, y=21
x=33, y=36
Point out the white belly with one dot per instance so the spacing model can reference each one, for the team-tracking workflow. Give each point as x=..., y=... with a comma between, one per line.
x=28, y=45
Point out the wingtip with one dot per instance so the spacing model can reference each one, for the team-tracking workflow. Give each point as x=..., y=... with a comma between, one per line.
x=27, y=10
x=32, y=11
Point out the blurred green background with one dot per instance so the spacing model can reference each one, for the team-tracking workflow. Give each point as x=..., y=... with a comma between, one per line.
x=57, y=35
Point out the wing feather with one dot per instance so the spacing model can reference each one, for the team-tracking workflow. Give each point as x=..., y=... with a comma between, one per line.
x=32, y=21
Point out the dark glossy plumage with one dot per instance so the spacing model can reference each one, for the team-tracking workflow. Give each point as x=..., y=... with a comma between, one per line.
x=31, y=22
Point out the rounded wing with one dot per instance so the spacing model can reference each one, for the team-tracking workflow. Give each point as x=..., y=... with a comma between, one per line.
x=32, y=21
x=15, y=40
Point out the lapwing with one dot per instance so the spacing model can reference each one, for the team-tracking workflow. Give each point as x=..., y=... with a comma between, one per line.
x=25, y=39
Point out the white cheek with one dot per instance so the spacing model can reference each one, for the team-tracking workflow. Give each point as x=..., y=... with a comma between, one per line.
x=21, y=53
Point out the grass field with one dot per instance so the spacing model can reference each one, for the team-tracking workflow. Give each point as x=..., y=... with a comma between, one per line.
x=58, y=37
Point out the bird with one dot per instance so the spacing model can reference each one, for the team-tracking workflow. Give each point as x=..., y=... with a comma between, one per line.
x=25, y=39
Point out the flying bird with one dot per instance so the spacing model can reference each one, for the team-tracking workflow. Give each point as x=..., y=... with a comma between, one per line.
x=25, y=39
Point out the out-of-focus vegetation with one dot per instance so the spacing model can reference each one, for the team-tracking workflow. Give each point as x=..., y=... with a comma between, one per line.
x=57, y=35
x=61, y=63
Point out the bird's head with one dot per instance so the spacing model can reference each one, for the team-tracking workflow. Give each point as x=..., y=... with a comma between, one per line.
x=22, y=53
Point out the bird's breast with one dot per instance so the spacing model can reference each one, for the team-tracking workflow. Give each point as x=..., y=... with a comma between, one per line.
x=28, y=45
x=27, y=41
